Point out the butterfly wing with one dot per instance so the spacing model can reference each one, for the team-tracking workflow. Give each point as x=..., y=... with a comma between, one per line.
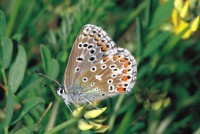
x=115, y=74
x=87, y=49
x=96, y=68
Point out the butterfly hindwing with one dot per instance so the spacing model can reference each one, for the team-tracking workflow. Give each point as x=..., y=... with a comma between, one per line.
x=115, y=74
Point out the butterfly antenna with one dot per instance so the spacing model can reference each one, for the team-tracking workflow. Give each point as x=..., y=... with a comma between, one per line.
x=41, y=74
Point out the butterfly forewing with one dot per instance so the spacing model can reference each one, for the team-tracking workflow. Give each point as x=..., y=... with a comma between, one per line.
x=97, y=68
x=87, y=49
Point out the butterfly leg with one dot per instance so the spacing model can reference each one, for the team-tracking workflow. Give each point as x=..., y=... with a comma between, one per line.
x=67, y=104
x=89, y=102
x=74, y=104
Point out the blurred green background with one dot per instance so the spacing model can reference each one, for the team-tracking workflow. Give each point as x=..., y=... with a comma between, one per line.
x=38, y=35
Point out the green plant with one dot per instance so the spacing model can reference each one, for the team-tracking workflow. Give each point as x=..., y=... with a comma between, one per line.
x=39, y=35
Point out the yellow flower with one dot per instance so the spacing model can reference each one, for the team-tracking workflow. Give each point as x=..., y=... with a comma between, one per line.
x=185, y=10
x=180, y=25
x=91, y=119
x=178, y=4
x=161, y=103
x=185, y=14
x=195, y=24
x=156, y=100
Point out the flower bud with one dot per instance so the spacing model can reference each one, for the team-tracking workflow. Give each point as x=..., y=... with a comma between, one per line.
x=178, y=4
x=78, y=112
x=83, y=125
x=94, y=113
x=184, y=12
x=103, y=129
x=195, y=24
x=157, y=105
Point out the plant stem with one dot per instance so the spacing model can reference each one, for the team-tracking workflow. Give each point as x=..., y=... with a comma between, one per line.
x=61, y=126
x=4, y=77
x=41, y=118
x=54, y=112
x=117, y=106
x=6, y=129
x=13, y=16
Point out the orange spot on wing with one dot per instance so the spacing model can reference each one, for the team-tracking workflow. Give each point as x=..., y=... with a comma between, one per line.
x=105, y=59
x=126, y=65
x=123, y=60
x=116, y=57
x=104, y=48
x=120, y=89
x=100, y=43
x=97, y=38
x=124, y=78
x=124, y=71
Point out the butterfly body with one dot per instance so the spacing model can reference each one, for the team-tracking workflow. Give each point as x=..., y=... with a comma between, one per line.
x=97, y=69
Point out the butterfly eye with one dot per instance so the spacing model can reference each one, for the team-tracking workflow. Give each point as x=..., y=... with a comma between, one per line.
x=60, y=91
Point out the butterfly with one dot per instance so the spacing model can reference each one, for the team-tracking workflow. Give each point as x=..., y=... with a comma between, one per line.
x=96, y=68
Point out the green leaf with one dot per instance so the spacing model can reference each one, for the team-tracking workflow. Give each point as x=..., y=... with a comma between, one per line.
x=30, y=86
x=23, y=130
x=155, y=43
x=62, y=56
x=139, y=36
x=2, y=24
x=173, y=41
x=30, y=103
x=125, y=122
x=61, y=126
x=136, y=127
x=17, y=70
x=54, y=68
x=46, y=59
x=162, y=14
x=9, y=106
x=7, y=49
x=17, y=37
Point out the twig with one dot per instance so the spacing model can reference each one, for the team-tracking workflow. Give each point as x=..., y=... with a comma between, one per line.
x=45, y=112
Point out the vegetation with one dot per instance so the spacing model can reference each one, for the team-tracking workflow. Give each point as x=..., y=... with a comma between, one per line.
x=39, y=35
